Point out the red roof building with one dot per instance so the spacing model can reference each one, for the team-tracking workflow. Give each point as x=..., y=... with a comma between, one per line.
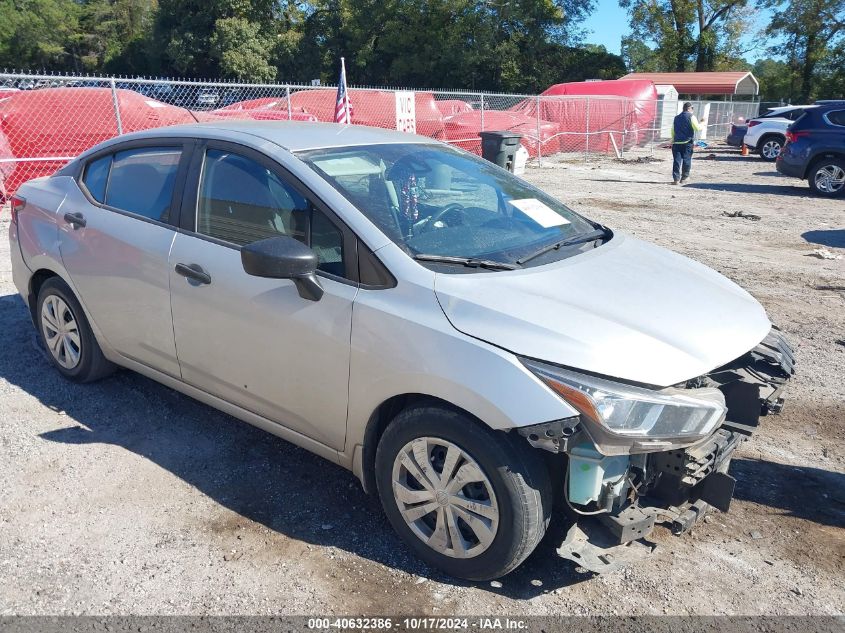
x=715, y=83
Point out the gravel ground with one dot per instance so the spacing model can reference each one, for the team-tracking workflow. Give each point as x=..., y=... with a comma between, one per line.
x=125, y=497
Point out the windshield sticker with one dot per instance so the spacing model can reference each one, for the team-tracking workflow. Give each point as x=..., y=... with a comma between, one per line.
x=542, y=214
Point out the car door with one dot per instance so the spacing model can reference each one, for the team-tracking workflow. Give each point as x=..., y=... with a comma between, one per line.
x=252, y=341
x=115, y=235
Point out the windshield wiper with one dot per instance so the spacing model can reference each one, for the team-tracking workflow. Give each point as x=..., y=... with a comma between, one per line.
x=472, y=262
x=600, y=233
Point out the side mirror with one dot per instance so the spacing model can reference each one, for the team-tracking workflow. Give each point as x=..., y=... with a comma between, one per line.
x=284, y=258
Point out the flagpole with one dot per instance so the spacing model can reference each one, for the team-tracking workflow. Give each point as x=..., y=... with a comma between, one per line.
x=345, y=91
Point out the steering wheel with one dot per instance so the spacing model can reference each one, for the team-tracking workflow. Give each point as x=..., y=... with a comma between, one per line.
x=453, y=207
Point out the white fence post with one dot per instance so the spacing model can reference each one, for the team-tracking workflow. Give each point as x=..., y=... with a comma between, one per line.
x=481, y=95
x=116, y=107
x=287, y=96
x=627, y=114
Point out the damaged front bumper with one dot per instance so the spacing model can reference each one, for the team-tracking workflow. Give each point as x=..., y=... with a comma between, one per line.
x=618, y=500
x=687, y=484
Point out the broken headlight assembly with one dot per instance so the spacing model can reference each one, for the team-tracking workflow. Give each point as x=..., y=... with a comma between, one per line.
x=622, y=418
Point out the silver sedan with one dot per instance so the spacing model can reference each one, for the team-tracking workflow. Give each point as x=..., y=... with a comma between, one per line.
x=478, y=354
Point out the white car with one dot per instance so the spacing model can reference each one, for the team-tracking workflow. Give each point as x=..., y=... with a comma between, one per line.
x=208, y=97
x=766, y=134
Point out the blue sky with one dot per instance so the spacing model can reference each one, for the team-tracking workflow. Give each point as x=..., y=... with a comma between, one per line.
x=609, y=23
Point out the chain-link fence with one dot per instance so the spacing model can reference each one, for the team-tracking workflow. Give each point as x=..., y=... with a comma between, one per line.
x=47, y=120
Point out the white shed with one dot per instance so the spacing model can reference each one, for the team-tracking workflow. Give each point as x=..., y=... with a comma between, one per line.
x=667, y=108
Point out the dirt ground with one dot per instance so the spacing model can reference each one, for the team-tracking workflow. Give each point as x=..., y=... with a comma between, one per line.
x=125, y=497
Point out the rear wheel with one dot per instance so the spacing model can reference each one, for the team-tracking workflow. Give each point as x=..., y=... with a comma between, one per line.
x=67, y=335
x=827, y=177
x=468, y=500
x=770, y=147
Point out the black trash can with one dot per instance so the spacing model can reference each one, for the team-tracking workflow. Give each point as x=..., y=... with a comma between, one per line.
x=500, y=147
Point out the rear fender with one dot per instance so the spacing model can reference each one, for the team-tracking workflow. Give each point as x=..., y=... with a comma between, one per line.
x=819, y=156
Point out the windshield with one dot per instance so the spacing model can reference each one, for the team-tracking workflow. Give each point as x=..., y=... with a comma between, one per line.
x=435, y=200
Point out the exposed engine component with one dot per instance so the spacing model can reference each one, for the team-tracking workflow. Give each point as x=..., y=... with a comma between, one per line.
x=618, y=499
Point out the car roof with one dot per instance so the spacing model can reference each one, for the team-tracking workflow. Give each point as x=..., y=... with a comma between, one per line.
x=788, y=108
x=294, y=136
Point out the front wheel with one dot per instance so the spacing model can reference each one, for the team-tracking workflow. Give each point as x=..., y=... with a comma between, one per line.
x=468, y=500
x=827, y=177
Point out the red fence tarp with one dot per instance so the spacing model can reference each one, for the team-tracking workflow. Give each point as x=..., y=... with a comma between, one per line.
x=56, y=124
x=376, y=108
x=61, y=123
x=575, y=113
x=462, y=130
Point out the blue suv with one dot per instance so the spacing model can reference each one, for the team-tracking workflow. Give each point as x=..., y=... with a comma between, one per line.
x=815, y=149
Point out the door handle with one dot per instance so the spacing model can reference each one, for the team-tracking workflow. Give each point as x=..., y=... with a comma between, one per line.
x=75, y=219
x=193, y=271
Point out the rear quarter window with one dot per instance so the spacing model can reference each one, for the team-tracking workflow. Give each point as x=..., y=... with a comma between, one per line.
x=96, y=177
x=836, y=117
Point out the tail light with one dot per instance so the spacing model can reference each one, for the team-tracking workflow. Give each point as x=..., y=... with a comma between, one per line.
x=791, y=136
x=753, y=123
x=16, y=204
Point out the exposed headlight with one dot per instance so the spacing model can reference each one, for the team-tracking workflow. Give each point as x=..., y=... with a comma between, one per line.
x=650, y=418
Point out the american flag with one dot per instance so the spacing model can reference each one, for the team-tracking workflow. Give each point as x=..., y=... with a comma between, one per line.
x=342, y=108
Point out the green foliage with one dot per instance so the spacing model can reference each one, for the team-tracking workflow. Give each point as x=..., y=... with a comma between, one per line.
x=810, y=37
x=700, y=35
x=115, y=34
x=241, y=50
x=39, y=34
x=501, y=45
x=776, y=79
x=506, y=45
x=638, y=57
x=831, y=73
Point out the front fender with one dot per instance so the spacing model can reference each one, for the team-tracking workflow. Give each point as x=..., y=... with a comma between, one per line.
x=402, y=343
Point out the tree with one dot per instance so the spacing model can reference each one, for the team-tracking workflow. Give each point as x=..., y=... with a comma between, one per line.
x=216, y=38
x=39, y=34
x=688, y=34
x=811, y=31
x=776, y=79
x=114, y=34
x=477, y=44
x=638, y=57
x=504, y=45
x=831, y=84
x=242, y=50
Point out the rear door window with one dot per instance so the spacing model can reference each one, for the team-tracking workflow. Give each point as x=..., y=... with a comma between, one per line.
x=142, y=181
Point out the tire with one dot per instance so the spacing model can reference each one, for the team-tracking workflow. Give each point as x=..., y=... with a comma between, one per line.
x=505, y=479
x=827, y=177
x=770, y=147
x=67, y=336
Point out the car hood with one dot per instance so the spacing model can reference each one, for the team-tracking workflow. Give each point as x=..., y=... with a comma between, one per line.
x=627, y=309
